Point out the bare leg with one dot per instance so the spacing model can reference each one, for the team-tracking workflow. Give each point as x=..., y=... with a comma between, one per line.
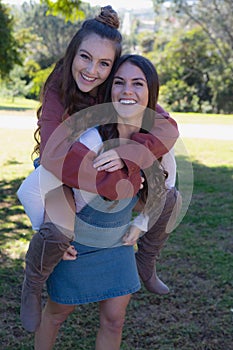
x=60, y=208
x=52, y=317
x=112, y=317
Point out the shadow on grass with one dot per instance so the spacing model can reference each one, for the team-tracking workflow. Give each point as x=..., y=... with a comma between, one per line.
x=12, y=226
x=196, y=263
x=11, y=162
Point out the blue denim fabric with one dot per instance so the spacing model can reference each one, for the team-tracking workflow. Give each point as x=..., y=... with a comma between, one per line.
x=97, y=274
x=103, y=223
x=36, y=162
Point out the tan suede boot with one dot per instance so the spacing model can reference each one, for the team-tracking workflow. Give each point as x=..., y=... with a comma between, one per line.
x=45, y=251
x=151, y=243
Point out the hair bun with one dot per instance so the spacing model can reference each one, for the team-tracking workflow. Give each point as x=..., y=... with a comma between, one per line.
x=109, y=17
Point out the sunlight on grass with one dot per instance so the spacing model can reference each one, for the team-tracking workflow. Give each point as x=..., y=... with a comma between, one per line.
x=198, y=118
x=18, y=102
x=210, y=152
x=15, y=155
x=17, y=251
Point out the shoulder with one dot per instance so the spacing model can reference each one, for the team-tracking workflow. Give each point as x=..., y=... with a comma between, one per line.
x=161, y=111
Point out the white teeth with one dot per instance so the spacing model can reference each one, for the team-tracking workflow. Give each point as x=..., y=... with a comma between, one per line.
x=127, y=102
x=87, y=78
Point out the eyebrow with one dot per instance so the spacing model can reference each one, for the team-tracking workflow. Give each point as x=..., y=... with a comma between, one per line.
x=118, y=77
x=101, y=59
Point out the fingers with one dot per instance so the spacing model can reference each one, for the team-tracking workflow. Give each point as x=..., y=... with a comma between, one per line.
x=112, y=166
x=131, y=237
x=67, y=256
x=130, y=242
x=105, y=158
x=101, y=160
x=142, y=180
x=70, y=253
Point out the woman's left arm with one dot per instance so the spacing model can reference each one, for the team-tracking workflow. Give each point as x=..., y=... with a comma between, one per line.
x=144, y=149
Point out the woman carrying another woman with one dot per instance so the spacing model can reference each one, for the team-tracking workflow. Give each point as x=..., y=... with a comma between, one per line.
x=79, y=81
x=107, y=275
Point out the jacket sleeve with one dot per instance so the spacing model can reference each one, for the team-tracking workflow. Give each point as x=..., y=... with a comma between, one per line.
x=146, y=148
x=51, y=116
x=72, y=163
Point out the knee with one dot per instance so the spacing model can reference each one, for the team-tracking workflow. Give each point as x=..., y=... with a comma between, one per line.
x=58, y=317
x=113, y=323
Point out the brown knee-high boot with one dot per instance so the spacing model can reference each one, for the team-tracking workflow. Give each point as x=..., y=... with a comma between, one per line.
x=151, y=243
x=45, y=251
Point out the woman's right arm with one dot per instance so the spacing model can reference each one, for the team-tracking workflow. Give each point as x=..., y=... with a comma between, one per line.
x=72, y=162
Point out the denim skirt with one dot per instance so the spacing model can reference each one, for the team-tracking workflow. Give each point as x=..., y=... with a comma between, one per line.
x=97, y=274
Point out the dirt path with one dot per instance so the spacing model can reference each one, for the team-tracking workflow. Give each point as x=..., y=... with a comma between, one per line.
x=27, y=121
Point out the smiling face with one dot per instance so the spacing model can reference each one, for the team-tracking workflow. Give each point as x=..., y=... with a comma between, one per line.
x=130, y=93
x=93, y=62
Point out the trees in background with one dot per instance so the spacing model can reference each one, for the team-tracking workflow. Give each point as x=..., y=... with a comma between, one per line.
x=9, y=54
x=199, y=51
x=189, y=42
x=187, y=66
x=70, y=9
x=43, y=40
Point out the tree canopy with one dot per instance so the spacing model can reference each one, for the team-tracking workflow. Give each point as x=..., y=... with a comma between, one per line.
x=189, y=42
x=70, y=9
x=214, y=17
x=9, y=54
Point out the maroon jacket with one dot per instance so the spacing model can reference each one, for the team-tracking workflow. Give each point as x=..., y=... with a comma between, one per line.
x=72, y=162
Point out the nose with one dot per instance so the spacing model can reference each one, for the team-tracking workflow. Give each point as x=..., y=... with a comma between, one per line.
x=92, y=67
x=127, y=89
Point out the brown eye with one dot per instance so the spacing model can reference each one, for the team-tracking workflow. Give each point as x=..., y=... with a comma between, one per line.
x=84, y=56
x=105, y=64
x=117, y=82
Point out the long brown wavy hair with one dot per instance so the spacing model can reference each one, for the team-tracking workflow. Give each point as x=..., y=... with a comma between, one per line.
x=61, y=80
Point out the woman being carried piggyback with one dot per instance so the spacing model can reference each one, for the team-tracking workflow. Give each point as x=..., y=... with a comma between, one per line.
x=78, y=81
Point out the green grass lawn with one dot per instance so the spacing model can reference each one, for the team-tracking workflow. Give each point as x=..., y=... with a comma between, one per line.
x=198, y=118
x=196, y=263
x=17, y=104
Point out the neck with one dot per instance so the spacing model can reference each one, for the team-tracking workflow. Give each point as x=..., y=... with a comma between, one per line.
x=128, y=126
x=126, y=130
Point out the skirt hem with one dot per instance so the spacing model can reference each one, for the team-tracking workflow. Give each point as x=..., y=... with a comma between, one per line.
x=74, y=301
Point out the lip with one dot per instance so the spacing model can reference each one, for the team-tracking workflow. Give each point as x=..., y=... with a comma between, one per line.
x=87, y=79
